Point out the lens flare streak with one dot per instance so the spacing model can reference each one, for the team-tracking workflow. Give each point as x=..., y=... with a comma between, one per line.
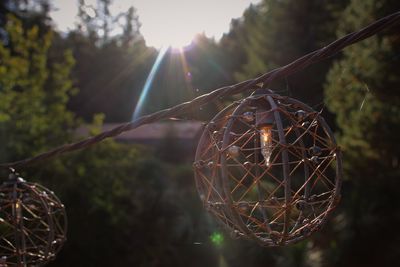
x=186, y=72
x=148, y=83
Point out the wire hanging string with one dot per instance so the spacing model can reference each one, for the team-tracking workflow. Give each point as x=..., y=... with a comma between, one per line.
x=295, y=66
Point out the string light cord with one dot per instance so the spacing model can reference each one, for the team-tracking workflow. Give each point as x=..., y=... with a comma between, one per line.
x=180, y=109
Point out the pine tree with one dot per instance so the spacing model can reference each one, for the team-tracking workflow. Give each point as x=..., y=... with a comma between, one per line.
x=281, y=31
x=363, y=91
x=110, y=68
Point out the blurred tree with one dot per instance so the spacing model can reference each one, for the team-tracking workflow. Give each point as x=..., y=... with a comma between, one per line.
x=122, y=210
x=234, y=42
x=29, y=12
x=109, y=77
x=363, y=90
x=127, y=208
x=130, y=27
x=104, y=16
x=86, y=21
x=111, y=67
x=280, y=31
x=33, y=93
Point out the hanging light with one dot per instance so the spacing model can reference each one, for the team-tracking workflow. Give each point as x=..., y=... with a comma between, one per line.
x=271, y=178
x=33, y=223
x=264, y=123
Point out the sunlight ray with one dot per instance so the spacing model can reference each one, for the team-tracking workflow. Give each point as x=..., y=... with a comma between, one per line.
x=149, y=81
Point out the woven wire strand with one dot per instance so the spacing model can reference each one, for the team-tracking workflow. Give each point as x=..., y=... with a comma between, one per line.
x=295, y=66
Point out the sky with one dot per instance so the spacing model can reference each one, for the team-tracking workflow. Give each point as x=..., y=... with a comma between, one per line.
x=166, y=22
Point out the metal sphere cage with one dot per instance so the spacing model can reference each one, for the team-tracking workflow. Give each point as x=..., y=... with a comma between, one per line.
x=277, y=192
x=33, y=223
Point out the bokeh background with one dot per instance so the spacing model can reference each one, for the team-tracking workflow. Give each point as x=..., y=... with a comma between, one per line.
x=132, y=201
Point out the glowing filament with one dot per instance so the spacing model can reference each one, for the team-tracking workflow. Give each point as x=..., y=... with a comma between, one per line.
x=266, y=143
x=17, y=211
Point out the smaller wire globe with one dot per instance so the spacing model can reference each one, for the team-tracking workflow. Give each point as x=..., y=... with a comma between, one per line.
x=33, y=223
x=268, y=168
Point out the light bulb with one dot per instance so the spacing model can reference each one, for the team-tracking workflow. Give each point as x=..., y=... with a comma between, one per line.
x=17, y=211
x=266, y=143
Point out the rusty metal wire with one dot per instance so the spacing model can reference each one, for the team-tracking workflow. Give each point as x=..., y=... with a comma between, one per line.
x=33, y=223
x=295, y=66
x=278, y=200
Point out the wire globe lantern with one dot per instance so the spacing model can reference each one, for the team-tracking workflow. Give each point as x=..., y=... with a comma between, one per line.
x=33, y=223
x=269, y=169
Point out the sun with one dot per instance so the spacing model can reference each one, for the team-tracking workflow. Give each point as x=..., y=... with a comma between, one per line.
x=165, y=23
x=173, y=23
x=177, y=22
x=175, y=37
x=175, y=31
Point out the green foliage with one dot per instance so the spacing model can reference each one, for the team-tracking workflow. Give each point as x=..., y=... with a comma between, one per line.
x=363, y=91
x=117, y=204
x=278, y=32
x=128, y=208
x=33, y=93
x=121, y=209
x=109, y=76
x=110, y=68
